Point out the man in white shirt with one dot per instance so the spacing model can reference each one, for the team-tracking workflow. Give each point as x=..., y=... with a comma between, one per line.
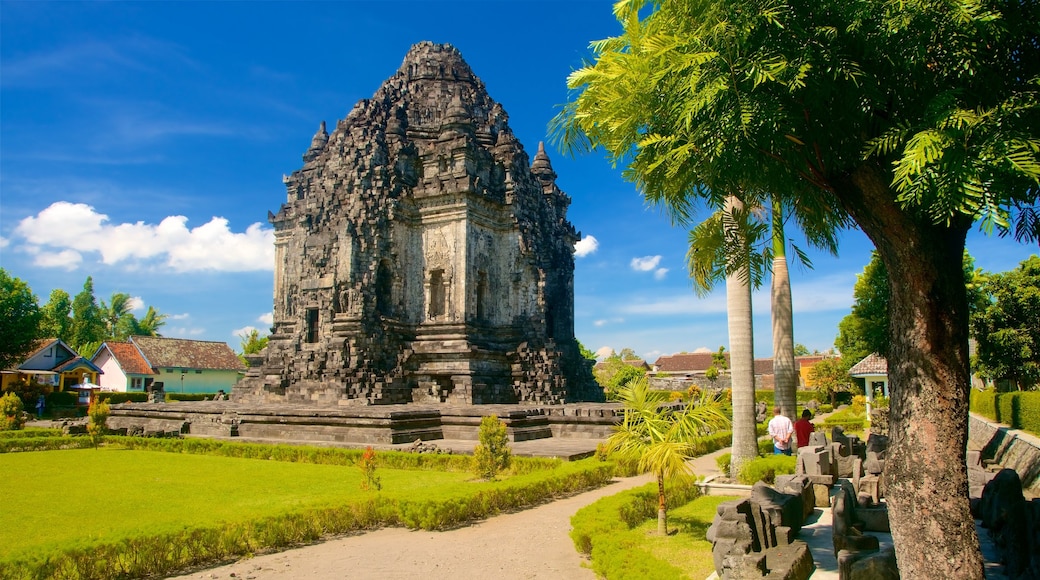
x=780, y=429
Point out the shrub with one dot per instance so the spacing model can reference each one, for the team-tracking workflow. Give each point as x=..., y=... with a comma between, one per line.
x=116, y=398
x=766, y=468
x=367, y=465
x=98, y=413
x=984, y=403
x=724, y=461
x=12, y=415
x=492, y=453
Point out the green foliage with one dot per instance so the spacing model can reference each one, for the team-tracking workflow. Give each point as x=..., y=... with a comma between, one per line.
x=586, y=353
x=492, y=454
x=11, y=413
x=766, y=468
x=606, y=532
x=1019, y=410
x=662, y=439
x=853, y=418
x=367, y=464
x=830, y=377
x=98, y=413
x=1006, y=329
x=170, y=397
x=88, y=320
x=57, y=319
x=865, y=330
x=19, y=320
x=114, y=398
x=31, y=433
x=252, y=343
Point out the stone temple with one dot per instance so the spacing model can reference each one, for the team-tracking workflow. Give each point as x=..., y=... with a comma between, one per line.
x=422, y=257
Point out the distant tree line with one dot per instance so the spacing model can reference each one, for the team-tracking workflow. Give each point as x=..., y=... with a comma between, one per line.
x=81, y=321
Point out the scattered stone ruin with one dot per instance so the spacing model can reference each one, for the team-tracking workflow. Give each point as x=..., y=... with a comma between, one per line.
x=422, y=257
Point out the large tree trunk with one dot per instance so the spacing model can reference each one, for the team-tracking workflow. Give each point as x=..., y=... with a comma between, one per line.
x=742, y=363
x=925, y=473
x=662, y=507
x=785, y=373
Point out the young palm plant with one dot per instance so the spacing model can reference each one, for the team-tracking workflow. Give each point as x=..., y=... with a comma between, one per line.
x=662, y=438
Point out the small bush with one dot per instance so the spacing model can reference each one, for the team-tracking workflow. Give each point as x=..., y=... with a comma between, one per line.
x=984, y=403
x=766, y=468
x=492, y=453
x=12, y=417
x=724, y=461
x=98, y=413
x=367, y=465
x=117, y=398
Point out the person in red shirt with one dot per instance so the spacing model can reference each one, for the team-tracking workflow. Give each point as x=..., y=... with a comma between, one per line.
x=803, y=428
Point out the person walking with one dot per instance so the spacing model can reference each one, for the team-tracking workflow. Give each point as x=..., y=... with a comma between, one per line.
x=780, y=429
x=803, y=428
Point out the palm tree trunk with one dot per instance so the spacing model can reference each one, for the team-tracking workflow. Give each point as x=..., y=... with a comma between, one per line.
x=785, y=373
x=662, y=508
x=742, y=361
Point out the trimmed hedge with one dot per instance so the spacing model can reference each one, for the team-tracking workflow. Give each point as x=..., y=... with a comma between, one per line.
x=30, y=432
x=1018, y=410
x=761, y=468
x=116, y=398
x=11, y=445
x=605, y=532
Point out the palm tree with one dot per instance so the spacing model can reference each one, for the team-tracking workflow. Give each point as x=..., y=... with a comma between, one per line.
x=114, y=313
x=785, y=375
x=662, y=439
x=151, y=323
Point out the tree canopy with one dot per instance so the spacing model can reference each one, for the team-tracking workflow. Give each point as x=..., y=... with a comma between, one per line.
x=915, y=118
x=19, y=320
x=1006, y=328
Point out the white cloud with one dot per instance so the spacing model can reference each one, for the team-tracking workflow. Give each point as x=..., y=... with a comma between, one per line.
x=604, y=352
x=703, y=350
x=60, y=234
x=599, y=323
x=645, y=264
x=267, y=318
x=652, y=356
x=184, y=316
x=585, y=246
x=660, y=273
x=183, y=331
x=136, y=303
x=4, y=242
x=243, y=332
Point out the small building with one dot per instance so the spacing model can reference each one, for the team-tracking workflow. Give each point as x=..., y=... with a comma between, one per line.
x=54, y=364
x=181, y=365
x=873, y=369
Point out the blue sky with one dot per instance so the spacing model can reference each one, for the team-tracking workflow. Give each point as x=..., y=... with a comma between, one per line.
x=143, y=144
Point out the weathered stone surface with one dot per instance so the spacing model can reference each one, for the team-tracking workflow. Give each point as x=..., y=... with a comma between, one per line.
x=854, y=565
x=422, y=257
x=789, y=562
x=799, y=485
x=1013, y=524
x=846, y=527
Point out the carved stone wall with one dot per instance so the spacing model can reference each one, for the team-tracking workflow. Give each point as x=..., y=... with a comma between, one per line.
x=422, y=257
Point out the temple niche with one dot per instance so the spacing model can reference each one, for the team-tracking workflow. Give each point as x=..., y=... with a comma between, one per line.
x=422, y=257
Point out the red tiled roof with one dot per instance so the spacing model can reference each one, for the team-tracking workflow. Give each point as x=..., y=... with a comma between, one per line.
x=873, y=364
x=129, y=358
x=188, y=354
x=810, y=359
x=763, y=366
x=677, y=363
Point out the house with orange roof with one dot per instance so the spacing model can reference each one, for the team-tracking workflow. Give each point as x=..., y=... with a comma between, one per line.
x=53, y=364
x=177, y=365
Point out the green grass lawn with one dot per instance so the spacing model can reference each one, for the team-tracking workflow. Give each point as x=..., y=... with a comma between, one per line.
x=686, y=548
x=74, y=498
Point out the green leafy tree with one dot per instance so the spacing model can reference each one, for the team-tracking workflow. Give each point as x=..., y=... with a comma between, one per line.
x=628, y=354
x=57, y=319
x=622, y=376
x=830, y=377
x=88, y=321
x=19, y=320
x=150, y=324
x=917, y=119
x=1006, y=330
x=492, y=454
x=660, y=439
x=12, y=417
x=252, y=343
x=801, y=350
x=865, y=329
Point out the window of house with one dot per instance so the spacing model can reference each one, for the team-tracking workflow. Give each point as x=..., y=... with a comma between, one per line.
x=312, y=325
x=137, y=384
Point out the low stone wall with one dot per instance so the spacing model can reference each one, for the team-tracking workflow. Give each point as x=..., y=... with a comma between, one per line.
x=382, y=424
x=1008, y=447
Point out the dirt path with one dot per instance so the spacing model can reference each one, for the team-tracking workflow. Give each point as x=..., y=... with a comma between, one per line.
x=534, y=543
